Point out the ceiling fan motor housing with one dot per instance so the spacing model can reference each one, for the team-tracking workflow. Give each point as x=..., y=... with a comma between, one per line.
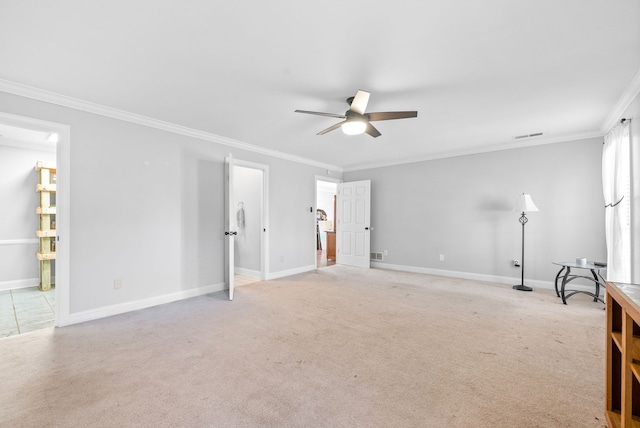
x=352, y=115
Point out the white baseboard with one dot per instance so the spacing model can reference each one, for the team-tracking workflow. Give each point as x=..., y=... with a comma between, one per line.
x=172, y=297
x=19, y=283
x=108, y=311
x=550, y=285
x=248, y=272
x=289, y=272
x=122, y=308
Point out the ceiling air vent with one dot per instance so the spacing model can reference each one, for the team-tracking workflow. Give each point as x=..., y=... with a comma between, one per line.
x=519, y=137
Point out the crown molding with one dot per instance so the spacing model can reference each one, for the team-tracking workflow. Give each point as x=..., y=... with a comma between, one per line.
x=479, y=150
x=89, y=107
x=632, y=90
x=630, y=93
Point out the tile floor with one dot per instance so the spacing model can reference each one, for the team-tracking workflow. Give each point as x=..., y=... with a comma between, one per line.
x=26, y=309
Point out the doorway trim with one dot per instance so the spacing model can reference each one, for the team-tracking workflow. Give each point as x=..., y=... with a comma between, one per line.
x=63, y=180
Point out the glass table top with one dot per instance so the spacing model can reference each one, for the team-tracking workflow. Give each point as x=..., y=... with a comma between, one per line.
x=573, y=264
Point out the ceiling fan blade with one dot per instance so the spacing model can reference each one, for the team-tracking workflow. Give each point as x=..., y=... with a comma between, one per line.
x=317, y=113
x=388, y=115
x=360, y=101
x=331, y=128
x=371, y=130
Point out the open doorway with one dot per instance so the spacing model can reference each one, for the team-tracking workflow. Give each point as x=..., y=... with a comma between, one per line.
x=25, y=243
x=325, y=230
x=249, y=205
x=28, y=230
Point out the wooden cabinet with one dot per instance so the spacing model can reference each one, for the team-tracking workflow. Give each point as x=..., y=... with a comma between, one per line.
x=46, y=233
x=331, y=245
x=623, y=356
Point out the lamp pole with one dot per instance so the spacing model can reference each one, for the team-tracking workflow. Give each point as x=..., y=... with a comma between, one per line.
x=524, y=205
x=523, y=220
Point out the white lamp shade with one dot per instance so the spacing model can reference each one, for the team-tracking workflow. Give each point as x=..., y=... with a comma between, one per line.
x=525, y=204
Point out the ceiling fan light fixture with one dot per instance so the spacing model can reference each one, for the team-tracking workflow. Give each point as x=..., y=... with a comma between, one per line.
x=354, y=127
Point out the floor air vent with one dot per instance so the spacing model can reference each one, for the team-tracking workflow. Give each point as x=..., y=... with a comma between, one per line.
x=376, y=256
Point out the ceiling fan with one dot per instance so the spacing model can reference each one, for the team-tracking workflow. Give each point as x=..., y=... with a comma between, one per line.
x=356, y=121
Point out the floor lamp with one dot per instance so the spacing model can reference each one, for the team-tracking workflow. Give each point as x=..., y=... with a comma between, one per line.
x=524, y=205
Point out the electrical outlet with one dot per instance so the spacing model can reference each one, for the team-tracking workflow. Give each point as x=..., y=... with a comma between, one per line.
x=385, y=253
x=117, y=284
x=441, y=257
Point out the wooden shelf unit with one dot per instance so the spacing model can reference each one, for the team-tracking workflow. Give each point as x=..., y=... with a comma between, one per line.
x=622, y=398
x=46, y=188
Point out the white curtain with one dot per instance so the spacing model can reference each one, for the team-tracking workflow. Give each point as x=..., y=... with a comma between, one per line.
x=616, y=183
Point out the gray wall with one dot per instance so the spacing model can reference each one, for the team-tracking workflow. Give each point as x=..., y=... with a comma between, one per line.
x=18, y=221
x=147, y=208
x=461, y=207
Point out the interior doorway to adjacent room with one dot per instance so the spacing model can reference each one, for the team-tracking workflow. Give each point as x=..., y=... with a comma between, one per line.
x=325, y=224
x=249, y=207
x=28, y=230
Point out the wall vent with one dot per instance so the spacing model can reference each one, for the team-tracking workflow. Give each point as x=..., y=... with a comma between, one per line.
x=377, y=257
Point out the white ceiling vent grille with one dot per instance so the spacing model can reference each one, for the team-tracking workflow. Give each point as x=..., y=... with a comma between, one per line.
x=376, y=257
x=518, y=137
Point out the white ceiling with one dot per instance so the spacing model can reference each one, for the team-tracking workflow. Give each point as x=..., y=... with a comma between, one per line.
x=13, y=133
x=478, y=72
x=27, y=138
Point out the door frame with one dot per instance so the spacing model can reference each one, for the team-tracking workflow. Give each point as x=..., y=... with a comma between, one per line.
x=229, y=232
x=63, y=231
x=315, y=207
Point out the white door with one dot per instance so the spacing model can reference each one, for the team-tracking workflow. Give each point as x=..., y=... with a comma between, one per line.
x=352, y=228
x=229, y=232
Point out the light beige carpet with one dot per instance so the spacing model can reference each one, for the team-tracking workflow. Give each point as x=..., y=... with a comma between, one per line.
x=339, y=347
